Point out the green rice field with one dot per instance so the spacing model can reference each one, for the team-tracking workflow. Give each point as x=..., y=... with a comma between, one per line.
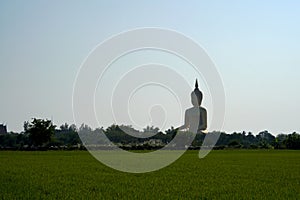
x=223, y=174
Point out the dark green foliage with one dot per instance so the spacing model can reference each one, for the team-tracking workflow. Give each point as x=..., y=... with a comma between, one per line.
x=67, y=137
x=234, y=144
x=39, y=130
x=293, y=141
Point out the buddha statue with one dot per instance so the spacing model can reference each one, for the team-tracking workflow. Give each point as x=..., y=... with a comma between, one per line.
x=195, y=119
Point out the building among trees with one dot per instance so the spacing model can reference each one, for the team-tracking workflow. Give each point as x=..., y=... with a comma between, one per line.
x=3, y=129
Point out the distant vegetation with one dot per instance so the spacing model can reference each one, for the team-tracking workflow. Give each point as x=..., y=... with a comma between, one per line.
x=41, y=134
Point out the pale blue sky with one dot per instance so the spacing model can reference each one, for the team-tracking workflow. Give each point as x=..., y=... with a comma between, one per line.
x=254, y=44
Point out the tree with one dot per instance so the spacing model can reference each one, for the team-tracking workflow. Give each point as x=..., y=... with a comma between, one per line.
x=266, y=140
x=64, y=127
x=265, y=135
x=73, y=128
x=39, y=130
x=280, y=141
x=151, y=130
x=293, y=141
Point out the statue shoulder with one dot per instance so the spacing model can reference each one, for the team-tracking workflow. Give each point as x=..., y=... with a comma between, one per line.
x=192, y=109
x=202, y=109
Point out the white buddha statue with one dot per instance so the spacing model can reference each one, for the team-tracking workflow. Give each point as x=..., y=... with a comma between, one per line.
x=195, y=119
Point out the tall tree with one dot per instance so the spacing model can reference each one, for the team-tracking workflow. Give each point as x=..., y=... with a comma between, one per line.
x=40, y=131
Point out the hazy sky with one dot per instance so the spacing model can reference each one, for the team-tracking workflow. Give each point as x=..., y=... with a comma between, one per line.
x=254, y=44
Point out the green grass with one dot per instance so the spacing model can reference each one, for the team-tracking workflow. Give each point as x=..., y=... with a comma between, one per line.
x=224, y=174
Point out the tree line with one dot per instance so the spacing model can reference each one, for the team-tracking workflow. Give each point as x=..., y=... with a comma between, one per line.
x=42, y=134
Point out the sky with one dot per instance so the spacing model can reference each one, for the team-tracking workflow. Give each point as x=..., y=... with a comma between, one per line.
x=254, y=45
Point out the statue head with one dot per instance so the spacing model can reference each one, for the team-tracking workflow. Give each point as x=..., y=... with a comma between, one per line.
x=196, y=95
